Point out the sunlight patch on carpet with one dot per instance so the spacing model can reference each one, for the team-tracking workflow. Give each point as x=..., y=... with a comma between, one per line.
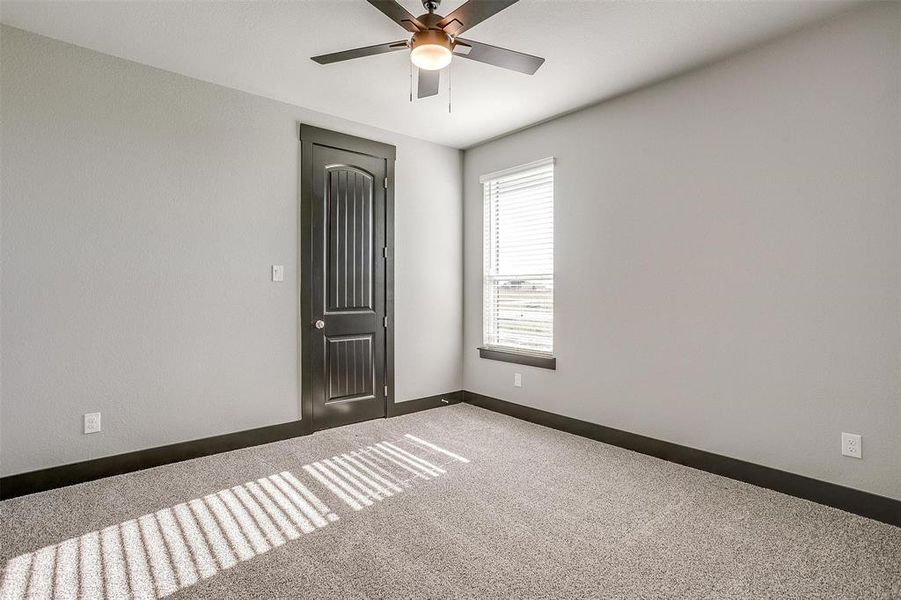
x=157, y=554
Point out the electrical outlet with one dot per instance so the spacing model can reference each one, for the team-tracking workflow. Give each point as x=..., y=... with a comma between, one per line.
x=517, y=380
x=851, y=445
x=92, y=422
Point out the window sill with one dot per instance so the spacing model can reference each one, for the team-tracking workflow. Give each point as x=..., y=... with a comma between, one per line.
x=520, y=358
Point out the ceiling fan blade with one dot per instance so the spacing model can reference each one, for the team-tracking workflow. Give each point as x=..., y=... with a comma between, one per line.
x=428, y=83
x=471, y=14
x=499, y=57
x=398, y=14
x=325, y=59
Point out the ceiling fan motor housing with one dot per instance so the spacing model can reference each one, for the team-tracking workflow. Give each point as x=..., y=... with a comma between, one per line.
x=435, y=37
x=430, y=20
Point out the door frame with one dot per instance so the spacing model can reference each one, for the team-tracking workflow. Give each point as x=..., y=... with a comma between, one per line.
x=310, y=136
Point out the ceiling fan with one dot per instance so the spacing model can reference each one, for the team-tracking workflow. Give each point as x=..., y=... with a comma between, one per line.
x=435, y=42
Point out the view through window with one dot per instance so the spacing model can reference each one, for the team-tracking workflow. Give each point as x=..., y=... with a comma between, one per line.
x=519, y=259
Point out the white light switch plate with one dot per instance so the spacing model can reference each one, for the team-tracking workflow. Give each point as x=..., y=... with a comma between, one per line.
x=517, y=380
x=851, y=445
x=92, y=422
x=278, y=272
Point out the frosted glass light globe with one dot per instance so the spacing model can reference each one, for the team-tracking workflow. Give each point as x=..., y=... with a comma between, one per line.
x=431, y=57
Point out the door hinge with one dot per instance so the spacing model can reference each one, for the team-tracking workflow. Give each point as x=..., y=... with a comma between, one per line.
x=385, y=251
x=385, y=322
x=386, y=390
x=386, y=183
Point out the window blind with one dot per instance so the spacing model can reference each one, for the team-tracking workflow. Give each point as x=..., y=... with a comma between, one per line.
x=519, y=258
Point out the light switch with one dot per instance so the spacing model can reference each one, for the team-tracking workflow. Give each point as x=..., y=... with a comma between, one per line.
x=278, y=272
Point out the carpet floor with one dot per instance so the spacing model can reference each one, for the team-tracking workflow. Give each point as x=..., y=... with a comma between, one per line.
x=456, y=502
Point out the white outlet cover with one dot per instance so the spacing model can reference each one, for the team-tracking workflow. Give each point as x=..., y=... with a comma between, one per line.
x=851, y=445
x=517, y=380
x=92, y=422
x=278, y=272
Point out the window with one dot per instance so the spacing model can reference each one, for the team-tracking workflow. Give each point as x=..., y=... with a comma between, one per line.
x=518, y=316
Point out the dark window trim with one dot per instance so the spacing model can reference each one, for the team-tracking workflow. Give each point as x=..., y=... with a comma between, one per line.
x=520, y=358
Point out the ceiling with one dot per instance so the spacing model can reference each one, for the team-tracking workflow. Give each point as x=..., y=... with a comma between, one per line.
x=594, y=50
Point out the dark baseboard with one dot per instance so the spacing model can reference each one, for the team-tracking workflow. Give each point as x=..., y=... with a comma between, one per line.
x=89, y=470
x=412, y=406
x=865, y=504
x=869, y=505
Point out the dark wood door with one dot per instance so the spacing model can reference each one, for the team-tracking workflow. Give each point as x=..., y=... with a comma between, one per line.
x=347, y=323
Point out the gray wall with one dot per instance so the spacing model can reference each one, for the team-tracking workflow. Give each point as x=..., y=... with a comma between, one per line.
x=727, y=256
x=141, y=213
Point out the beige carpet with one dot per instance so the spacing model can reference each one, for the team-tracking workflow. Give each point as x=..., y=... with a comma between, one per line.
x=455, y=502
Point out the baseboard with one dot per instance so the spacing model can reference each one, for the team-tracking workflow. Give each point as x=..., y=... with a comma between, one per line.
x=89, y=470
x=98, y=468
x=412, y=406
x=862, y=503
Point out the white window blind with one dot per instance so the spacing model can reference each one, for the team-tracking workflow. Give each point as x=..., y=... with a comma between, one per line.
x=519, y=258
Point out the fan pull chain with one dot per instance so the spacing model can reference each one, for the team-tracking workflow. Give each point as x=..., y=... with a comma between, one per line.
x=449, y=69
x=411, y=81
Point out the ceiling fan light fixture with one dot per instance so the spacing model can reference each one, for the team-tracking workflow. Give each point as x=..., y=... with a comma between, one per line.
x=430, y=57
x=431, y=50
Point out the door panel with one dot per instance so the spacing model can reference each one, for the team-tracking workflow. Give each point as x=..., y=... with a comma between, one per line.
x=350, y=219
x=351, y=373
x=347, y=287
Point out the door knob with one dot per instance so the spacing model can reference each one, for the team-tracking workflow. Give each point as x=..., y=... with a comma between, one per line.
x=320, y=324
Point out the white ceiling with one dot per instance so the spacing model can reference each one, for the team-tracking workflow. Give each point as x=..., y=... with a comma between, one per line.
x=594, y=50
